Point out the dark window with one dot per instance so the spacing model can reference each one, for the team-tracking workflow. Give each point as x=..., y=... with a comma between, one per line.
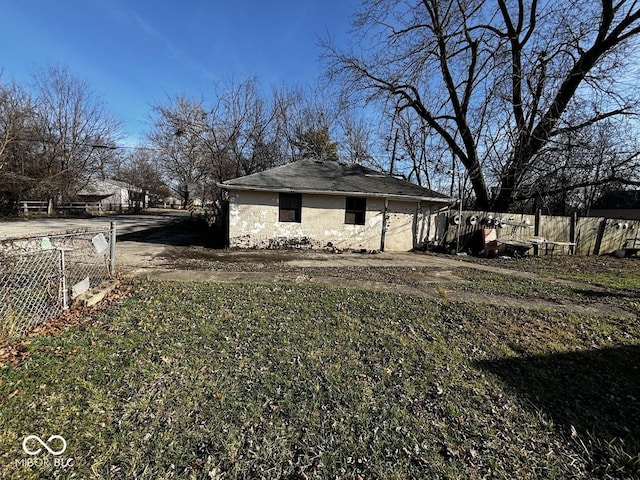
x=290, y=207
x=355, y=210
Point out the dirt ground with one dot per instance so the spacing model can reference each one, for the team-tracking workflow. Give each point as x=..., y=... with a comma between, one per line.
x=182, y=252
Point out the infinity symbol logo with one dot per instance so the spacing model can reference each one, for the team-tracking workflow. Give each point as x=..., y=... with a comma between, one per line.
x=28, y=451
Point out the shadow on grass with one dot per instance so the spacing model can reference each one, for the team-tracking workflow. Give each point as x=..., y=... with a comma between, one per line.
x=182, y=233
x=601, y=294
x=597, y=392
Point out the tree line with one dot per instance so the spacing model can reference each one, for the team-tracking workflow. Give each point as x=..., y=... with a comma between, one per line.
x=240, y=131
x=533, y=101
x=58, y=136
x=54, y=136
x=508, y=104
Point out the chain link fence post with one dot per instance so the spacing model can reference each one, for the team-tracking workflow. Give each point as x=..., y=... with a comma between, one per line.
x=63, y=280
x=112, y=249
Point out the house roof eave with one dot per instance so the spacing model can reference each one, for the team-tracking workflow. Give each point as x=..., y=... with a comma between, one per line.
x=390, y=196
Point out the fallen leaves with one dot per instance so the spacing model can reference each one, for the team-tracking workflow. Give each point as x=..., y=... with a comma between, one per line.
x=13, y=354
x=14, y=351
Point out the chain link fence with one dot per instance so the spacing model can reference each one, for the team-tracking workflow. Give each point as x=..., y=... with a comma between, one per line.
x=41, y=276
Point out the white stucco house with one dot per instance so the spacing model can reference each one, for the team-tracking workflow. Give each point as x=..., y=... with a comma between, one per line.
x=113, y=194
x=321, y=204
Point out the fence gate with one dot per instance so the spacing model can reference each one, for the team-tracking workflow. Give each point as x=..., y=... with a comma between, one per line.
x=40, y=276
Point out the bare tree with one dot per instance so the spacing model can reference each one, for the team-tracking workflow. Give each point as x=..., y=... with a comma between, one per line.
x=15, y=110
x=15, y=114
x=492, y=81
x=55, y=134
x=73, y=129
x=245, y=122
x=359, y=138
x=576, y=168
x=236, y=134
x=178, y=135
x=141, y=168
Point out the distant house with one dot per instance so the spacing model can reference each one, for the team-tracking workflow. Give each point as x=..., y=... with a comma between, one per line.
x=113, y=194
x=329, y=204
x=171, y=202
x=619, y=204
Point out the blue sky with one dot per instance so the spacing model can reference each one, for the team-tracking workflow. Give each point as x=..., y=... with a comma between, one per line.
x=136, y=53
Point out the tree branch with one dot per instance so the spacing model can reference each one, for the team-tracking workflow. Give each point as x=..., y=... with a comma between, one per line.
x=591, y=121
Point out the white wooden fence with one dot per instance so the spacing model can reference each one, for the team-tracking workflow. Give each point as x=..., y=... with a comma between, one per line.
x=27, y=206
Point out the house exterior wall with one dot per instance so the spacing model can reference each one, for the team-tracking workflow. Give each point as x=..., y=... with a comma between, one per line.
x=407, y=225
x=253, y=223
x=118, y=199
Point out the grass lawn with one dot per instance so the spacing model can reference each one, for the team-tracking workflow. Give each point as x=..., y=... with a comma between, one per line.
x=202, y=380
x=601, y=271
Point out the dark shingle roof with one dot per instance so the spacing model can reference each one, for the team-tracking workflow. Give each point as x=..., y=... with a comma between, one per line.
x=618, y=199
x=311, y=176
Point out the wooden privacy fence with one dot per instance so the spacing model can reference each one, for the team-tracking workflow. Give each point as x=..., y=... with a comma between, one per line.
x=598, y=235
x=548, y=234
